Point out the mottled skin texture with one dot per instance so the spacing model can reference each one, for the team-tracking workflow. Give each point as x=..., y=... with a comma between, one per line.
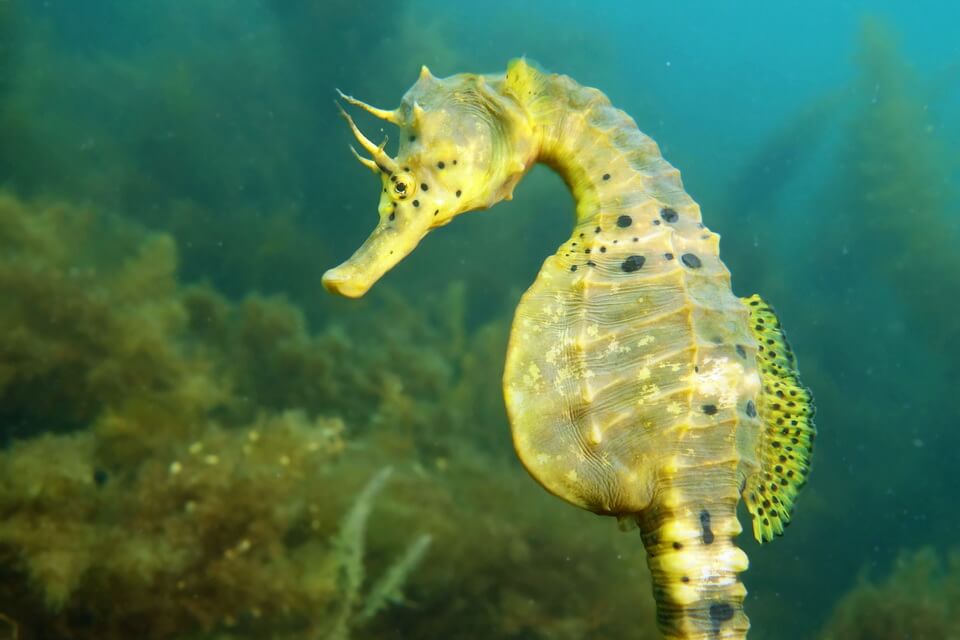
x=631, y=381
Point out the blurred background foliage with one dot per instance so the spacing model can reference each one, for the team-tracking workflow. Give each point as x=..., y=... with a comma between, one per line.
x=188, y=423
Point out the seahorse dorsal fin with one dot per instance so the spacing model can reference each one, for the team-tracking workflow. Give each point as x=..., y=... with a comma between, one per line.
x=787, y=433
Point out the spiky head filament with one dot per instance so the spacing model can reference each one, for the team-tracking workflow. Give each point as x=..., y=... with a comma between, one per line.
x=380, y=157
x=367, y=162
x=390, y=115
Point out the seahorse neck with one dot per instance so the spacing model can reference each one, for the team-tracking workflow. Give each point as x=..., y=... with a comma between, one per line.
x=609, y=165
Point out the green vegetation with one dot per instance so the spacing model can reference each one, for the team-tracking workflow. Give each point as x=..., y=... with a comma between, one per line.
x=180, y=462
x=894, y=156
x=918, y=600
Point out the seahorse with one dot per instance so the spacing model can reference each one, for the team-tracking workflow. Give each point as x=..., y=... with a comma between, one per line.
x=636, y=383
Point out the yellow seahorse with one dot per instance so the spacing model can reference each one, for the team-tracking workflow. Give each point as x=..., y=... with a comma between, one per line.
x=637, y=385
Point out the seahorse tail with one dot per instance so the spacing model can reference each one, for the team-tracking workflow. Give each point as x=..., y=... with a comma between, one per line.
x=688, y=533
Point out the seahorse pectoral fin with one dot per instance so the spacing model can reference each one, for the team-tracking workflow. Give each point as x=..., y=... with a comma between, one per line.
x=786, y=441
x=389, y=243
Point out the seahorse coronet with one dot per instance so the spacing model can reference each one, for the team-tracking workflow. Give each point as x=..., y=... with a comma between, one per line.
x=636, y=383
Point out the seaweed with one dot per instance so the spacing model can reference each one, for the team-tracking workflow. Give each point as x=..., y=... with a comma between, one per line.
x=918, y=600
x=207, y=450
x=893, y=179
x=348, y=545
x=217, y=537
x=79, y=334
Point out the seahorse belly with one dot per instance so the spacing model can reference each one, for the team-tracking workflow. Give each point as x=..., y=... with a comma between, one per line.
x=614, y=353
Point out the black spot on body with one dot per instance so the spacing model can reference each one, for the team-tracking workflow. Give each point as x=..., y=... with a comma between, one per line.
x=624, y=221
x=416, y=203
x=573, y=267
x=669, y=215
x=425, y=186
x=668, y=256
x=721, y=612
x=100, y=477
x=393, y=215
x=709, y=409
x=706, y=533
x=632, y=263
x=458, y=193
x=678, y=546
x=691, y=260
x=741, y=351
x=440, y=165
x=606, y=176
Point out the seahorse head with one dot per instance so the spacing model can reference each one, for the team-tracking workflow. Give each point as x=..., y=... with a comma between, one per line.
x=464, y=144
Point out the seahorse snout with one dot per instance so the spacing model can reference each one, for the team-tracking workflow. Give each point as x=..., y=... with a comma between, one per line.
x=390, y=242
x=336, y=281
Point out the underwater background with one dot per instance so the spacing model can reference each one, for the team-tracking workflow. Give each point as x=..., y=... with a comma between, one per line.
x=196, y=441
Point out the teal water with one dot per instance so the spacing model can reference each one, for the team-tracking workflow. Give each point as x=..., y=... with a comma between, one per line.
x=176, y=180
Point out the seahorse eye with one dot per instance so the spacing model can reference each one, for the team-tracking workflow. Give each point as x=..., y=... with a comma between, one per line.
x=404, y=186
